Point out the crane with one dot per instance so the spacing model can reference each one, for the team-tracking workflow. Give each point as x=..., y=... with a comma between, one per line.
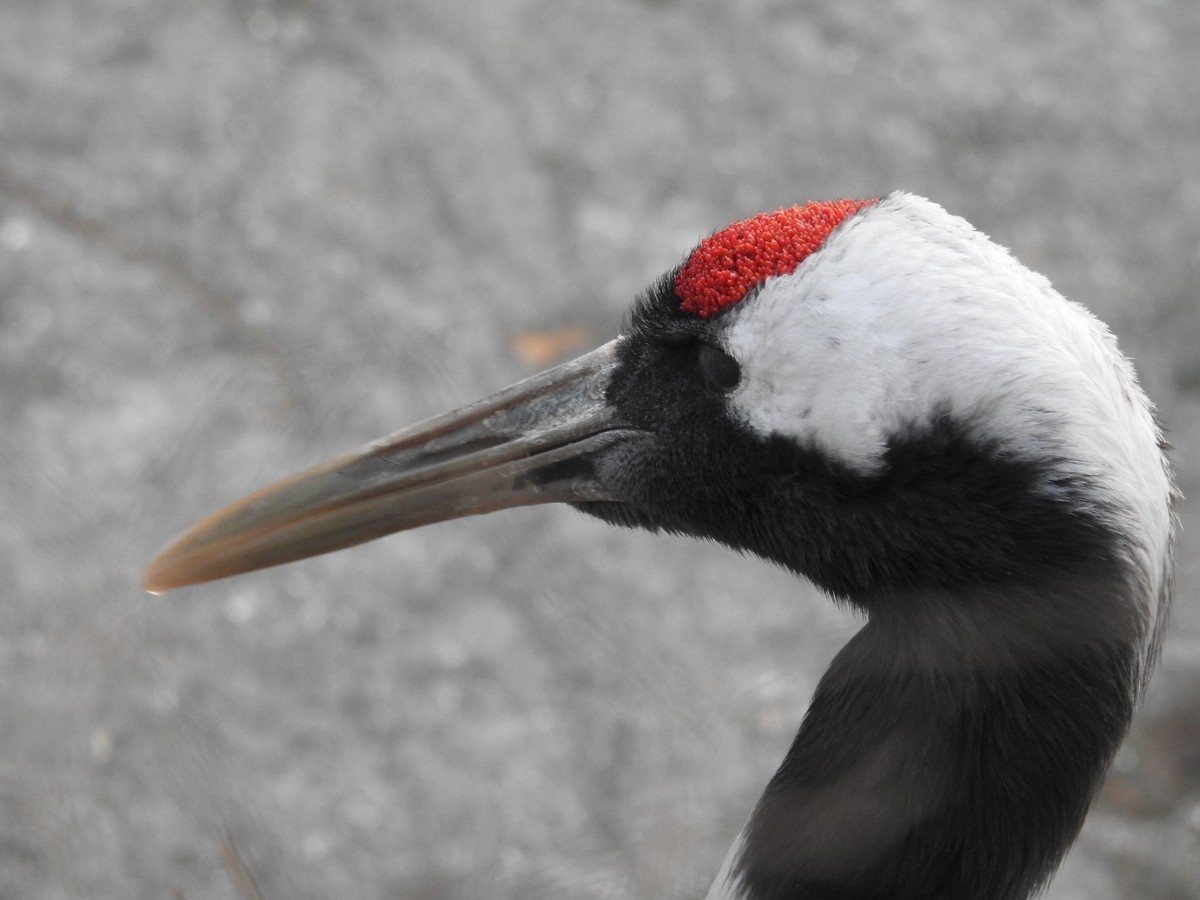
x=874, y=395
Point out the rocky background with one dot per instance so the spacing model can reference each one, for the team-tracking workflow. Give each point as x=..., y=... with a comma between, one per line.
x=238, y=237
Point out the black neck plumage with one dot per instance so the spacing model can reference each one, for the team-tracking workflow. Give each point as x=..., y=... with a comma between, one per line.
x=950, y=753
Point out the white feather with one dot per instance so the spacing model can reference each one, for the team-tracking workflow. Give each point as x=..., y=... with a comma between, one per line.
x=728, y=885
x=906, y=312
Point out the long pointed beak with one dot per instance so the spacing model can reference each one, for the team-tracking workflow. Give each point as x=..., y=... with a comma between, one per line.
x=529, y=443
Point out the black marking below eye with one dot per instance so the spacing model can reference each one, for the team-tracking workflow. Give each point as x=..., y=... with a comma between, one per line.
x=721, y=370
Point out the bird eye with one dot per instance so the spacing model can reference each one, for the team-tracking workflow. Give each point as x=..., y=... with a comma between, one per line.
x=721, y=370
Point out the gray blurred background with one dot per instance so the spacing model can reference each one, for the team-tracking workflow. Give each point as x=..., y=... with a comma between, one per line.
x=238, y=237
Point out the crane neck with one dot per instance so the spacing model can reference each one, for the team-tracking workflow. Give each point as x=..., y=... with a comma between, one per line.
x=951, y=750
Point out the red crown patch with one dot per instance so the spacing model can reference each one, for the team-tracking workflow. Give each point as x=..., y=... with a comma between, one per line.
x=726, y=265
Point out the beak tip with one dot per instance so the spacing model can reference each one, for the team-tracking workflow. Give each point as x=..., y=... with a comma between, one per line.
x=168, y=571
x=155, y=580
